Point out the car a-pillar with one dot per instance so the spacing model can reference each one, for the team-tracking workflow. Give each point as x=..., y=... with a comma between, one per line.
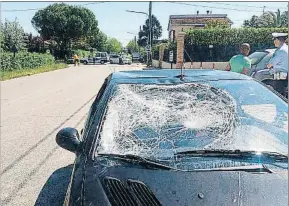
x=180, y=49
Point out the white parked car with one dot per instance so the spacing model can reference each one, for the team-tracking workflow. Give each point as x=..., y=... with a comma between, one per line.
x=91, y=60
x=126, y=60
x=115, y=59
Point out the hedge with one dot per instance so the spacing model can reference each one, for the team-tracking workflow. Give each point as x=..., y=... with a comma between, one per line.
x=24, y=60
x=226, y=42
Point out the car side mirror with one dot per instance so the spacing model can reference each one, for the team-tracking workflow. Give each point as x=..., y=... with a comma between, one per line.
x=68, y=138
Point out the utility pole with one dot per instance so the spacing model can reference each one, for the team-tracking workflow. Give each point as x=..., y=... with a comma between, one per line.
x=135, y=43
x=150, y=33
x=264, y=9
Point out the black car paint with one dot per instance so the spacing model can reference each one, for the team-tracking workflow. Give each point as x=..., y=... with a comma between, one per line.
x=170, y=187
x=183, y=188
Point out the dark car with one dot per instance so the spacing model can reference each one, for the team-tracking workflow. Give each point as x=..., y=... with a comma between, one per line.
x=153, y=138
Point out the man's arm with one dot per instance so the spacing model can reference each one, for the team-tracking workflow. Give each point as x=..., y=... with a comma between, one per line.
x=228, y=67
x=247, y=66
x=276, y=61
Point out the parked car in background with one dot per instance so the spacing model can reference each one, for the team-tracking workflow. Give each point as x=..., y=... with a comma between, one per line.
x=136, y=57
x=103, y=57
x=126, y=60
x=151, y=138
x=259, y=71
x=115, y=59
x=91, y=60
x=259, y=60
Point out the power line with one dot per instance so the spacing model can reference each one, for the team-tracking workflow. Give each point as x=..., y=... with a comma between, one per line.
x=19, y=10
x=194, y=5
x=238, y=5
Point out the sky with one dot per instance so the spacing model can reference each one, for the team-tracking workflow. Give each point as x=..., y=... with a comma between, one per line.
x=114, y=21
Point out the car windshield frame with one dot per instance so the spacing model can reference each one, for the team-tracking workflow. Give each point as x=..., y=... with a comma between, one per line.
x=112, y=86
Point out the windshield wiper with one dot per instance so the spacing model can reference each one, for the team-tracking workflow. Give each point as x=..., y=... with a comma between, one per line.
x=140, y=160
x=277, y=157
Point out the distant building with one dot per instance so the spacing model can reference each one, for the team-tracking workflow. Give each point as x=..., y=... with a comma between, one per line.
x=178, y=23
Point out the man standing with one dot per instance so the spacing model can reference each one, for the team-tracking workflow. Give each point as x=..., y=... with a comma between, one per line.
x=240, y=63
x=278, y=64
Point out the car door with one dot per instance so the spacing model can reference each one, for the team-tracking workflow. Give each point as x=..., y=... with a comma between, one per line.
x=103, y=56
x=90, y=60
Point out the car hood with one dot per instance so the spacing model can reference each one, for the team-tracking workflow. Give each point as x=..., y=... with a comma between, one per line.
x=135, y=186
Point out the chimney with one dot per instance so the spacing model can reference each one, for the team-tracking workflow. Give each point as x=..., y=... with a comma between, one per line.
x=208, y=12
x=197, y=12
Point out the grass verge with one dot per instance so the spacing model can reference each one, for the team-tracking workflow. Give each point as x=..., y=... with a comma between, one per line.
x=5, y=75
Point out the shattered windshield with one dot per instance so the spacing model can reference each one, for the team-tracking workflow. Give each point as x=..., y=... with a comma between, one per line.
x=157, y=121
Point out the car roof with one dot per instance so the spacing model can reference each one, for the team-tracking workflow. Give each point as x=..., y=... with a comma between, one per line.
x=208, y=74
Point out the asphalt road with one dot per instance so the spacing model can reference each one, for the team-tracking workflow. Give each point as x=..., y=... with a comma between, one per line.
x=34, y=170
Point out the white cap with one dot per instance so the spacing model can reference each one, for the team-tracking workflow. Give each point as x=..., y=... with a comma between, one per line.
x=276, y=35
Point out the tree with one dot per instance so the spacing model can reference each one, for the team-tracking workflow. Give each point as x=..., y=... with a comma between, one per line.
x=284, y=19
x=34, y=43
x=98, y=41
x=253, y=22
x=217, y=23
x=12, y=35
x=267, y=20
x=1, y=37
x=113, y=45
x=64, y=23
x=142, y=38
x=156, y=31
x=132, y=46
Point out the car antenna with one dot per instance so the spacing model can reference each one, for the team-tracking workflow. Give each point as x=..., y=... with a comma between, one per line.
x=181, y=76
x=182, y=71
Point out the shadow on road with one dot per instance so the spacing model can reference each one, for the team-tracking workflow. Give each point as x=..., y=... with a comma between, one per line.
x=54, y=190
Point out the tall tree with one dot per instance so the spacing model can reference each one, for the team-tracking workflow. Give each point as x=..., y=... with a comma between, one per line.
x=132, y=46
x=113, y=45
x=284, y=19
x=253, y=22
x=13, y=35
x=142, y=38
x=98, y=41
x=267, y=20
x=156, y=31
x=64, y=23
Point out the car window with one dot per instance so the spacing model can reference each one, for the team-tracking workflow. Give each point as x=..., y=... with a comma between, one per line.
x=97, y=55
x=159, y=120
x=103, y=54
x=256, y=57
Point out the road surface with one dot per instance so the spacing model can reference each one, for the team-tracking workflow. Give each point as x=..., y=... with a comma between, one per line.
x=34, y=170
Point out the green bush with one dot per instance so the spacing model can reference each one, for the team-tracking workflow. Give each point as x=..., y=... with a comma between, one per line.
x=24, y=60
x=231, y=36
x=226, y=42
